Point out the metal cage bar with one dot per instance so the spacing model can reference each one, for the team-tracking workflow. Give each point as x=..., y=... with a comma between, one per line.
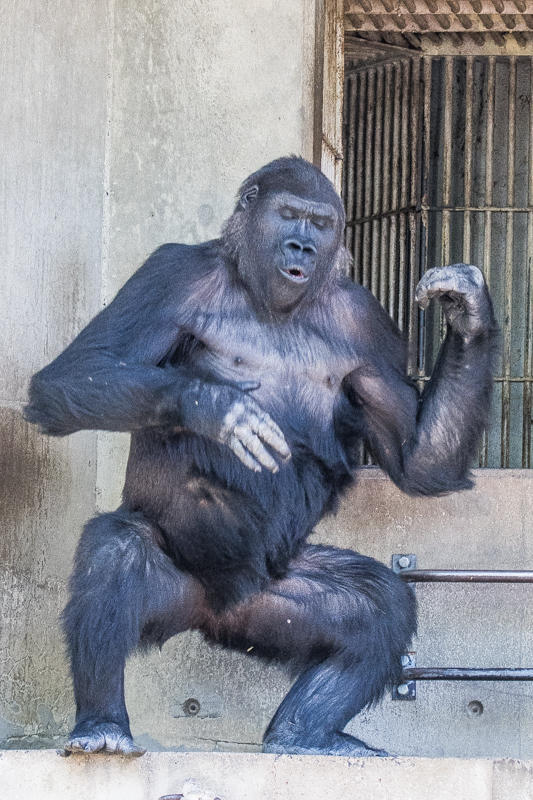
x=466, y=575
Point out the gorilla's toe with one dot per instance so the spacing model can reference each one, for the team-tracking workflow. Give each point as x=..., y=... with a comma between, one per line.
x=338, y=744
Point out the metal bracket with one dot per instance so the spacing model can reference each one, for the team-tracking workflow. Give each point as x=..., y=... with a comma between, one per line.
x=406, y=690
x=402, y=561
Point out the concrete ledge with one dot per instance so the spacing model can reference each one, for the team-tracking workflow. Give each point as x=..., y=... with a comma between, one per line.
x=43, y=775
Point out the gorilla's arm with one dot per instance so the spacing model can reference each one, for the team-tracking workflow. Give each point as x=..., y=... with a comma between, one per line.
x=426, y=443
x=112, y=377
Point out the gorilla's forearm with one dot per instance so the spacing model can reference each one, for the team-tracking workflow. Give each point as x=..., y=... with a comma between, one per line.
x=105, y=395
x=114, y=396
x=426, y=443
x=452, y=415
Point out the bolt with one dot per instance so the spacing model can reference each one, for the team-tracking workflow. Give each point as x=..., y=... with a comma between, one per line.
x=191, y=707
x=404, y=562
x=475, y=708
x=403, y=689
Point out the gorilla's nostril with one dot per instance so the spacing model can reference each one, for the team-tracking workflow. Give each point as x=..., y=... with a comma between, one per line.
x=293, y=245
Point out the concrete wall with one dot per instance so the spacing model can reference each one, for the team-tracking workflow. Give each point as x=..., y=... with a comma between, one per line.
x=129, y=124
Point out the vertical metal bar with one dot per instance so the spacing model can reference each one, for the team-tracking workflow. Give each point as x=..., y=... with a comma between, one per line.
x=395, y=195
x=421, y=360
x=392, y=111
x=527, y=409
x=403, y=270
x=388, y=175
x=387, y=128
x=345, y=138
x=508, y=278
x=369, y=169
x=360, y=175
x=414, y=200
x=487, y=244
x=377, y=205
x=406, y=118
x=350, y=96
x=447, y=157
x=469, y=98
x=378, y=142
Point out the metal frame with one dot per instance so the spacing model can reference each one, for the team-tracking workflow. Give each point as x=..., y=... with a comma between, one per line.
x=401, y=199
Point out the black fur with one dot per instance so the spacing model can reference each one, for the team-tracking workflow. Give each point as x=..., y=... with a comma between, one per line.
x=198, y=336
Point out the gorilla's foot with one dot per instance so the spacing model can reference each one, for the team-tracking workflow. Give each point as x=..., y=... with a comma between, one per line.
x=101, y=737
x=338, y=744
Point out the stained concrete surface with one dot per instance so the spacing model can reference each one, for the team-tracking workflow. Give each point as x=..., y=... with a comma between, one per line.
x=125, y=124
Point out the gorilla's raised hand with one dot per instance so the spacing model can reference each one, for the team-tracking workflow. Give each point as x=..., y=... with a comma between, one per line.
x=464, y=297
x=227, y=414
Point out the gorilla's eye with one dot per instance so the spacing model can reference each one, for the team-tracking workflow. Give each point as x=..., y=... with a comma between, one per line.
x=288, y=213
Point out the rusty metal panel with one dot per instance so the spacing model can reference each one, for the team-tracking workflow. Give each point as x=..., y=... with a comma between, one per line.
x=445, y=175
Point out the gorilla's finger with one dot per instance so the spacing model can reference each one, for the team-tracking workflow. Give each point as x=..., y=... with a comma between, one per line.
x=461, y=279
x=246, y=386
x=269, y=432
x=423, y=301
x=453, y=288
x=254, y=445
x=264, y=419
x=243, y=455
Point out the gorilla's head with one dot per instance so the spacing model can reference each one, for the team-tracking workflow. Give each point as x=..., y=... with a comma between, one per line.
x=285, y=235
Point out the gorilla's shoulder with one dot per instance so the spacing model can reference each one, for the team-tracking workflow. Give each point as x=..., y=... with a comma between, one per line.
x=359, y=298
x=177, y=254
x=170, y=272
x=176, y=261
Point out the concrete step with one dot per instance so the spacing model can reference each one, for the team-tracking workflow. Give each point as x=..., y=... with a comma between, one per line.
x=43, y=775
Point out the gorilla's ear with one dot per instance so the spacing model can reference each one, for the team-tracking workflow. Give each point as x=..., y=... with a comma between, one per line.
x=249, y=196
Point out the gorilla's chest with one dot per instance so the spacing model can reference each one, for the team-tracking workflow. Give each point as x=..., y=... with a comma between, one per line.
x=300, y=371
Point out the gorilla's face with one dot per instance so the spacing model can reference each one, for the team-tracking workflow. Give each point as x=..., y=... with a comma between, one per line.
x=289, y=245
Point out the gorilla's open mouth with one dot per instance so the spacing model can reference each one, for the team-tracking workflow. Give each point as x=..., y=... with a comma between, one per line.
x=294, y=274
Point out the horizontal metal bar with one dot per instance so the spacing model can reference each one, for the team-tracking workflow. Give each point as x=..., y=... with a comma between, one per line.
x=382, y=214
x=377, y=62
x=466, y=575
x=506, y=209
x=466, y=674
x=459, y=209
x=521, y=379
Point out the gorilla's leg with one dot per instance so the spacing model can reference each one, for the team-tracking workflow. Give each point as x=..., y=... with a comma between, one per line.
x=342, y=621
x=124, y=592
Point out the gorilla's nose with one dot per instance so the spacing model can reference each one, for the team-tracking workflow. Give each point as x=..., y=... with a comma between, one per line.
x=299, y=249
x=300, y=259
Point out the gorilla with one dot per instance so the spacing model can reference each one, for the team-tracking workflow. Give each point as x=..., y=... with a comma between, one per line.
x=248, y=369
